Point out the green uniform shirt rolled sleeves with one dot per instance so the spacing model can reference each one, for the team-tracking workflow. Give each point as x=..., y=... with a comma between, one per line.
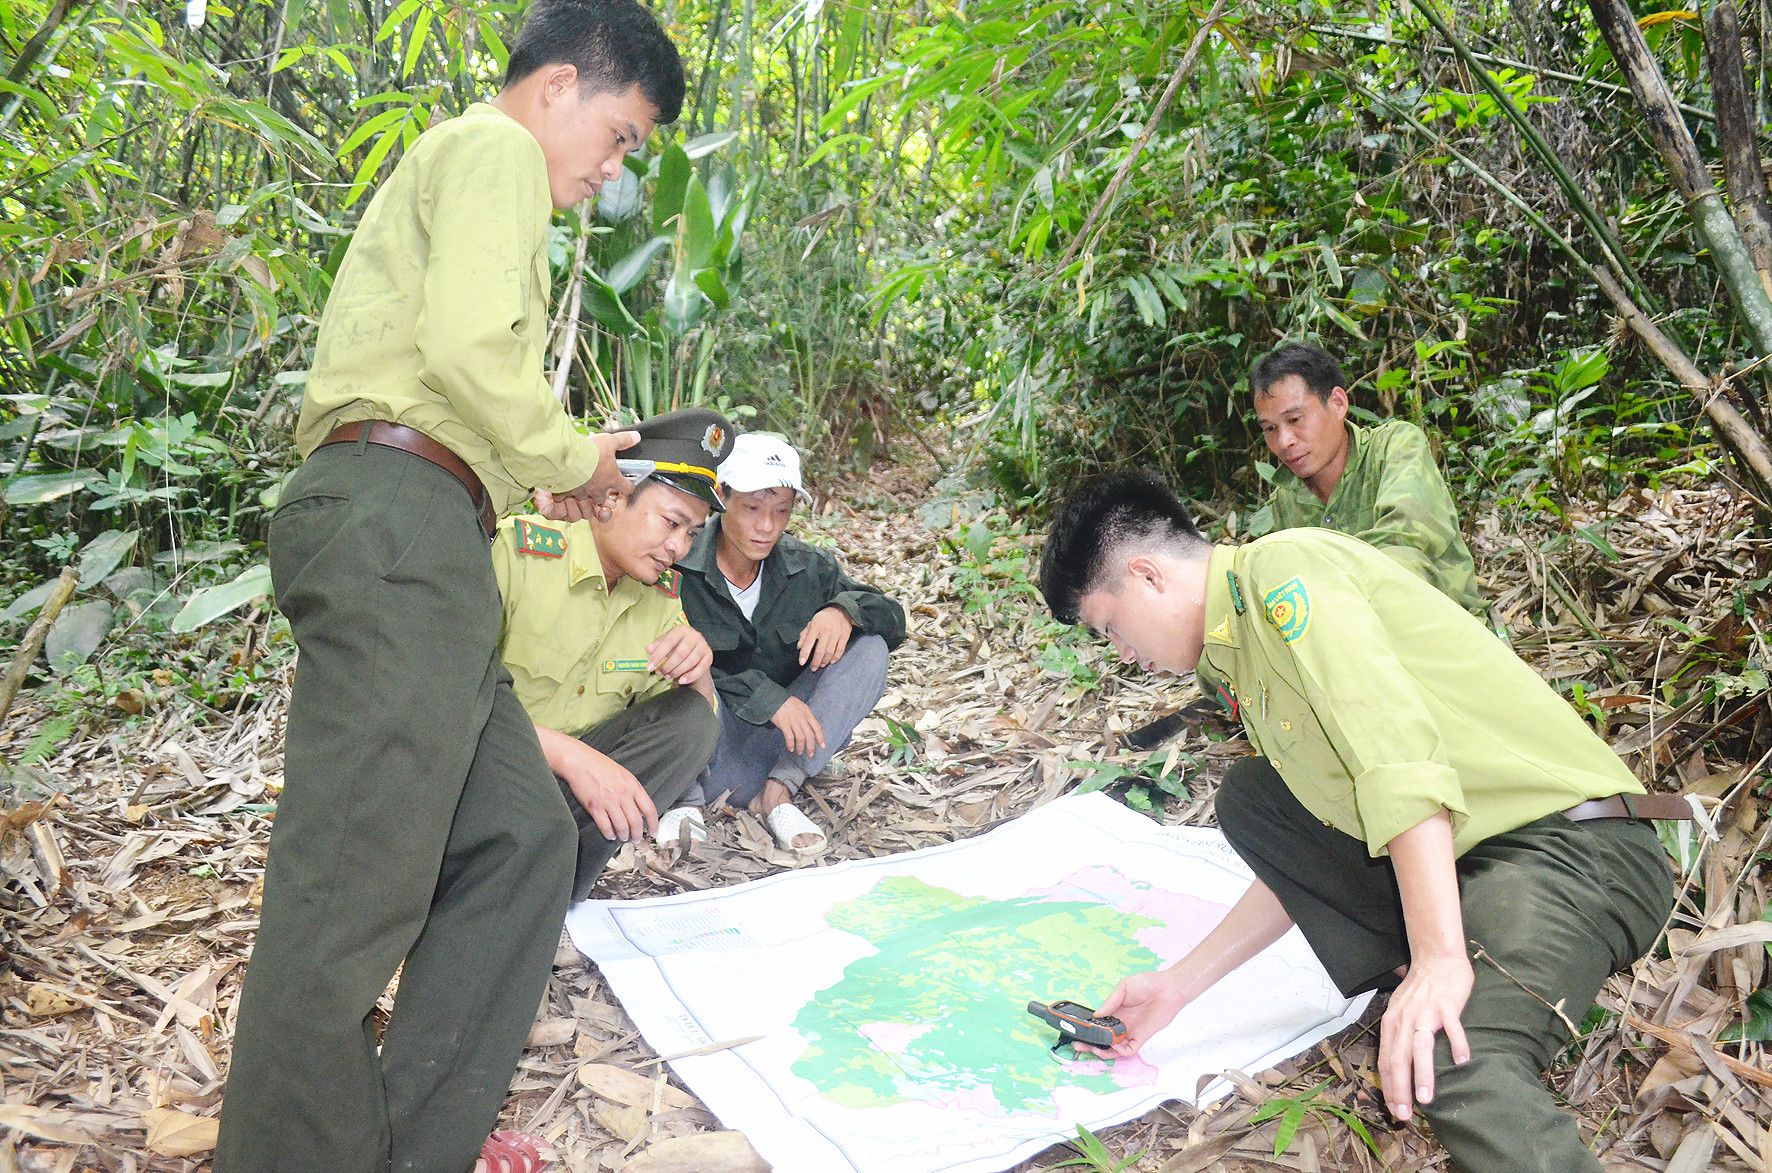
x=576, y=650
x=439, y=314
x=1379, y=701
x=1390, y=496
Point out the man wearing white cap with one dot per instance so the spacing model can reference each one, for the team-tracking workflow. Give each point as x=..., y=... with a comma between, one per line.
x=799, y=647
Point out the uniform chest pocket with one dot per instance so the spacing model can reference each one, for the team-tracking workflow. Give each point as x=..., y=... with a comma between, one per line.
x=615, y=677
x=542, y=656
x=1281, y=720
x=722, y=637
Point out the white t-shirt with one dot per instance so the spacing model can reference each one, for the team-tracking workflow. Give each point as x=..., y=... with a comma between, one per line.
x=746, y=597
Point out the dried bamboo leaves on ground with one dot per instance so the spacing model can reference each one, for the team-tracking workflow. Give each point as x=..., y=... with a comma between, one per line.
x=130, y=863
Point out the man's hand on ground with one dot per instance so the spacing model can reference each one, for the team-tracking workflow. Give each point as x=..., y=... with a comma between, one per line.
x=1146, y=1003
x=603, y=490
x=824, y=639
x=681, y=654
x=799, y=728
x=610, y=793
x=1430, y=1000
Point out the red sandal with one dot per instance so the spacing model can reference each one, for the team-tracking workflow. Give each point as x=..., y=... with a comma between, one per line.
x=514, y=1152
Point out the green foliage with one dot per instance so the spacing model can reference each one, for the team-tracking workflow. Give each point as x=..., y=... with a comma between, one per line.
x=1095, y=1156
x=1143, y=786
x=1293, y=1110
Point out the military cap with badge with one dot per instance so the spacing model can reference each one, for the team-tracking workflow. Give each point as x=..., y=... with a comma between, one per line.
x=684, y=450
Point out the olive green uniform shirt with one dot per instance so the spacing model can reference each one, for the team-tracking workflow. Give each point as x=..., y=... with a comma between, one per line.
x=1379, y=702
x=439, y=314
x=576, y=650
x=1391, y=496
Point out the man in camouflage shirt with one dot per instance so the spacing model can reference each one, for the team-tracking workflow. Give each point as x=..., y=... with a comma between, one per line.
x=1378, y=484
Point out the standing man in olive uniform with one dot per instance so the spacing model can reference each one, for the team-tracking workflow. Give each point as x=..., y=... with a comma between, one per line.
x=1379, y=484
x=419, y=828
x=613, y=676
x=1422, y=795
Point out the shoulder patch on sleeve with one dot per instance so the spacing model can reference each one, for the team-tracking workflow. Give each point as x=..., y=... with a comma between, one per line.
x=1288, y=608
x=670, y=583
x=533, y=538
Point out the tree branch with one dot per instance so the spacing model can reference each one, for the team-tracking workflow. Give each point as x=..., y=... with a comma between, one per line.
x=1085, y=237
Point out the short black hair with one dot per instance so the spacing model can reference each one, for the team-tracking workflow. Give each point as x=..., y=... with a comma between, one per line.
x=1310, y=362
x=614, y=45
x=1098, y=521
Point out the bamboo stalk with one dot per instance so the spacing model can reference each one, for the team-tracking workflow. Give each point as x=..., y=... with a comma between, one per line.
x=1679, y=153
x=1678, y=1038
x=1734, y=430
x=1086, y=236
x=1540, y=146
x=1574, y=79
x=1742, y=176
x=65, y=586
x=567, y=347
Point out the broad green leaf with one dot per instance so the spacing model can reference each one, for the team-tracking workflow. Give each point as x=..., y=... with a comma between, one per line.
x=667, y=195
x=707, y=144
x=626, y=273
x=1329, y=261
x=683, y=302
x=1345, y=322
x=1288, y=1128
x=415, y=44
x=831, y=144
x=401, y=11
x=77, y=633
x=212, y=602
x=708, y=281
x=604, y=304
x=697, y=225
x=29, y=601
x=48, y=486
x=102, y=554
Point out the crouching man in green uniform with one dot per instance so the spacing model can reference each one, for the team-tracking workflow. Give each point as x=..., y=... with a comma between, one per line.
x=1421, y=795
x=1379, y=484
x=419, y=829
x=614, y=678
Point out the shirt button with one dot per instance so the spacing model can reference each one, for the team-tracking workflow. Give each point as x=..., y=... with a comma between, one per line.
x=627, y=690
x=581, y=690
x=1286, y=725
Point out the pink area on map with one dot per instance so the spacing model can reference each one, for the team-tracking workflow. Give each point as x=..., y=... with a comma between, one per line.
x=892, y=1037
x=1185, y=920
x=1133, y=1072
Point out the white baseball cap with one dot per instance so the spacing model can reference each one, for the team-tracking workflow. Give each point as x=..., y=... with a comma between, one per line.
x=759, y=460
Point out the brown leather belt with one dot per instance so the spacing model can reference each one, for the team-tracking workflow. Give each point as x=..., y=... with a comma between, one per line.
x=405, y=439
x=1668, y=807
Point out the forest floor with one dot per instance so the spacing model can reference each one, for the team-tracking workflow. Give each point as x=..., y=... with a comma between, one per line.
x=128, y=898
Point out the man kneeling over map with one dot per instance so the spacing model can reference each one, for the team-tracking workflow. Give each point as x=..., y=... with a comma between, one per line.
x=1435, y=819
x=598, y=649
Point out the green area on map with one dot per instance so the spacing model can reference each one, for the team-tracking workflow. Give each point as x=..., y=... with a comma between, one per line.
x=938, y=1014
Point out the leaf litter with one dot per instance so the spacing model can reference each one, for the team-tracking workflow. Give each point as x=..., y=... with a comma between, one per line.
x=131, y=862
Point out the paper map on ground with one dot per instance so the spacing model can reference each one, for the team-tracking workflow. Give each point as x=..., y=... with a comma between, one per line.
x=890, y=994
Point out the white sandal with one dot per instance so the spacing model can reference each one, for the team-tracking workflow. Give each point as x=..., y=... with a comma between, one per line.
x=787, y=821
x=670, y=827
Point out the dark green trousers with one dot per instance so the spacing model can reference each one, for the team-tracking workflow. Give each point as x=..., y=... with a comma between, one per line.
x=419, y=829
x=665, y=742
x=1561, y=905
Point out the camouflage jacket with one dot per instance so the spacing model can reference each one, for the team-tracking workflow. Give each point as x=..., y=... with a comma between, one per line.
x=1391, y=496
